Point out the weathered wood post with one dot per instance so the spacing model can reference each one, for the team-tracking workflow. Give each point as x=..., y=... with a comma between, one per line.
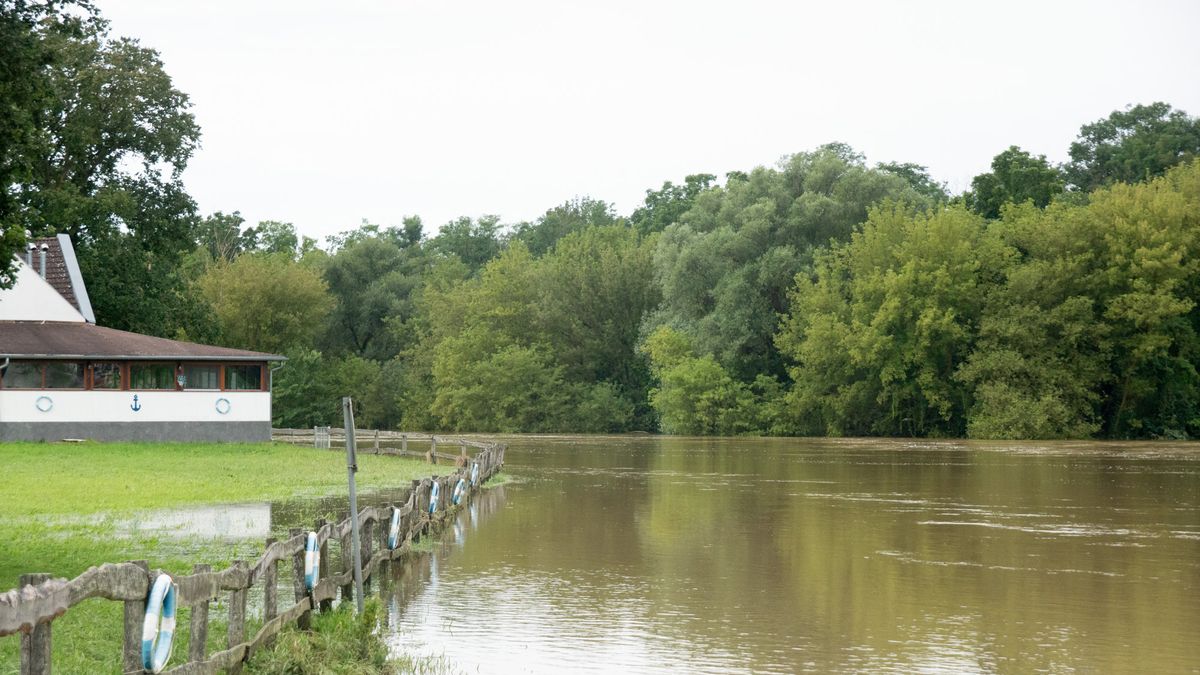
x=377, y=441
x=367, y=540
x=462, y=453
x=305, y=620
x=270, y=590
x=404, y=444
x=326, y=605
x=347, y=566
x=432, y=456
x=198, y=634
x=237, y=618
x=35, y=645
x=414, y=499
x=135, y=615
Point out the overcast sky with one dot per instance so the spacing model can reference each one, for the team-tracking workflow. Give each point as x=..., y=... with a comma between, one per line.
x=323, y=113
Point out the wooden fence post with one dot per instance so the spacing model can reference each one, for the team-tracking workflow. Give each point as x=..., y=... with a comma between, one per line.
x=377, y=441
x=414, y=498
x=404, y=444
x=462, y=454
x=433, y=449
x=305, y=619
x=367, y=538
x=198, y=633
x=270, y=592
x=348, y=567
x=135, y=614
x=237, y=619
x=326, y=605
x=35, y=645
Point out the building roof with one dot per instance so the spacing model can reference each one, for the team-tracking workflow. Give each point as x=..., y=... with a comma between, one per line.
x=74, y=340
x=62, y=271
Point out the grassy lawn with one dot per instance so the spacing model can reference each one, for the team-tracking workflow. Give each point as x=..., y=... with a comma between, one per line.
x=60, y=505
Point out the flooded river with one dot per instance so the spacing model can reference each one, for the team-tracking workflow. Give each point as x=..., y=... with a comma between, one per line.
x=653, y=555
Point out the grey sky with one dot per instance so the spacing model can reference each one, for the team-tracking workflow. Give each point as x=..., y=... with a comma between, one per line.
x=323, y=114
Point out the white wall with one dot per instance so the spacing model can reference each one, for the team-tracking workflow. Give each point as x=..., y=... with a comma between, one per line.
x=32, y=298
x=116, y=406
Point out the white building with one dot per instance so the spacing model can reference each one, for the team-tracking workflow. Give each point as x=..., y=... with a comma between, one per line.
x=62, y=376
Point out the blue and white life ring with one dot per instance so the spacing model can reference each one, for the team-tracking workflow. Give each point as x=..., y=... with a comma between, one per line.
x=158, y=628
x=312, y=562
x=460, y=490
x=475, y=474
x=394, y=530
x=433, y=496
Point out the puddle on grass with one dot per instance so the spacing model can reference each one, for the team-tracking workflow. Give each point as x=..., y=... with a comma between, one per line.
x=249, y=520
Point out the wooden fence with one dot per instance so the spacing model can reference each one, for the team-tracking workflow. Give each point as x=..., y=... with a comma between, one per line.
x=372, y=441
x=31, y=608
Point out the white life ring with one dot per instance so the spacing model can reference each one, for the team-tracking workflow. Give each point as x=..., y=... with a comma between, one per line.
x=394, y=530
x=312, y=562
x=433, y=496
x=158, y=628
x=223, y=406
x=460, y=490
x=44, y=403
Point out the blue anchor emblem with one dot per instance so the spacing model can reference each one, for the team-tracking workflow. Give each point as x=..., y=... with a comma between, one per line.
x=136, y=406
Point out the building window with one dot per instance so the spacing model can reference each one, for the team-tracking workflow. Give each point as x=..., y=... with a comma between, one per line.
x=23, y=375
x=151, y=376
x=201, y=377
x=106, y=376
x=243, y=378
x=64, y=375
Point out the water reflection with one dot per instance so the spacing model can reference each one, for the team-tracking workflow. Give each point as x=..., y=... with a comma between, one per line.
x=709, y=555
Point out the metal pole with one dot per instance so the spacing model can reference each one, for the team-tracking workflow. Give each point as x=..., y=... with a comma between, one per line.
x=351, y=468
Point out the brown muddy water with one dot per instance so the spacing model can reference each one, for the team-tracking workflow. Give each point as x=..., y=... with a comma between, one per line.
x=654, y=555
x=680, y=555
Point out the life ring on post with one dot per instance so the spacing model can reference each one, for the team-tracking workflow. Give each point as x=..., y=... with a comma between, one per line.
x=312, y=562
x=460, y=490
x=158, y=628
x=433, y=496
x=475, y=474
x=394, y=530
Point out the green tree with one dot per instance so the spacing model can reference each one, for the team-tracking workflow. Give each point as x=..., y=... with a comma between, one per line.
x=372, y=280
x=725, y=267
x=1016, y=177
x=267, y=303
x=572, y=216
x=664, y=206
x=25, y=94
x=1130, y=145
x=221, y=236
x=879, y=330
x=474, y=242
x=115, y=135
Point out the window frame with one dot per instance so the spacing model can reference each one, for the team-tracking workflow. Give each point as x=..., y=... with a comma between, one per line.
x=168, y=364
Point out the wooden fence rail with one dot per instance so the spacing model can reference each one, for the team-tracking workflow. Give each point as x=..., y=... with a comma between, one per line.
x=31, y=608
x=370, y=440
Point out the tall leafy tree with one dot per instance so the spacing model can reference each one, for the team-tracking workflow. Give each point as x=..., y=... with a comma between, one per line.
x=26, y=94
x=372, y=280
x=664, y=206
x=1134, y=144
x=725, y=267
x=115, y=135
x=473, y=241
x=267, y=303
x=572, y=216
x=1016, y=177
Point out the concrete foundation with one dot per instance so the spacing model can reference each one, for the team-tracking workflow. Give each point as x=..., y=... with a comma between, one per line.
x=221, y=432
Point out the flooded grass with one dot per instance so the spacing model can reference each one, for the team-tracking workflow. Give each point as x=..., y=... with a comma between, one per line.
x=65, y=508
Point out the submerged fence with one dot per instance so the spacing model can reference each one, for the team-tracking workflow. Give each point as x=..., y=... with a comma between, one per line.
x=31, y=608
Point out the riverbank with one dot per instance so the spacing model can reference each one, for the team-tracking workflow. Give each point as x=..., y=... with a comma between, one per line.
x=64, y=508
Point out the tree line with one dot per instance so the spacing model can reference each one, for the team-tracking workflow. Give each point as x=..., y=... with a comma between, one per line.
x=822, y=295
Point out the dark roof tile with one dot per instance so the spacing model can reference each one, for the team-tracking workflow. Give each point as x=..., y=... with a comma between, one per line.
x=63, y=340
